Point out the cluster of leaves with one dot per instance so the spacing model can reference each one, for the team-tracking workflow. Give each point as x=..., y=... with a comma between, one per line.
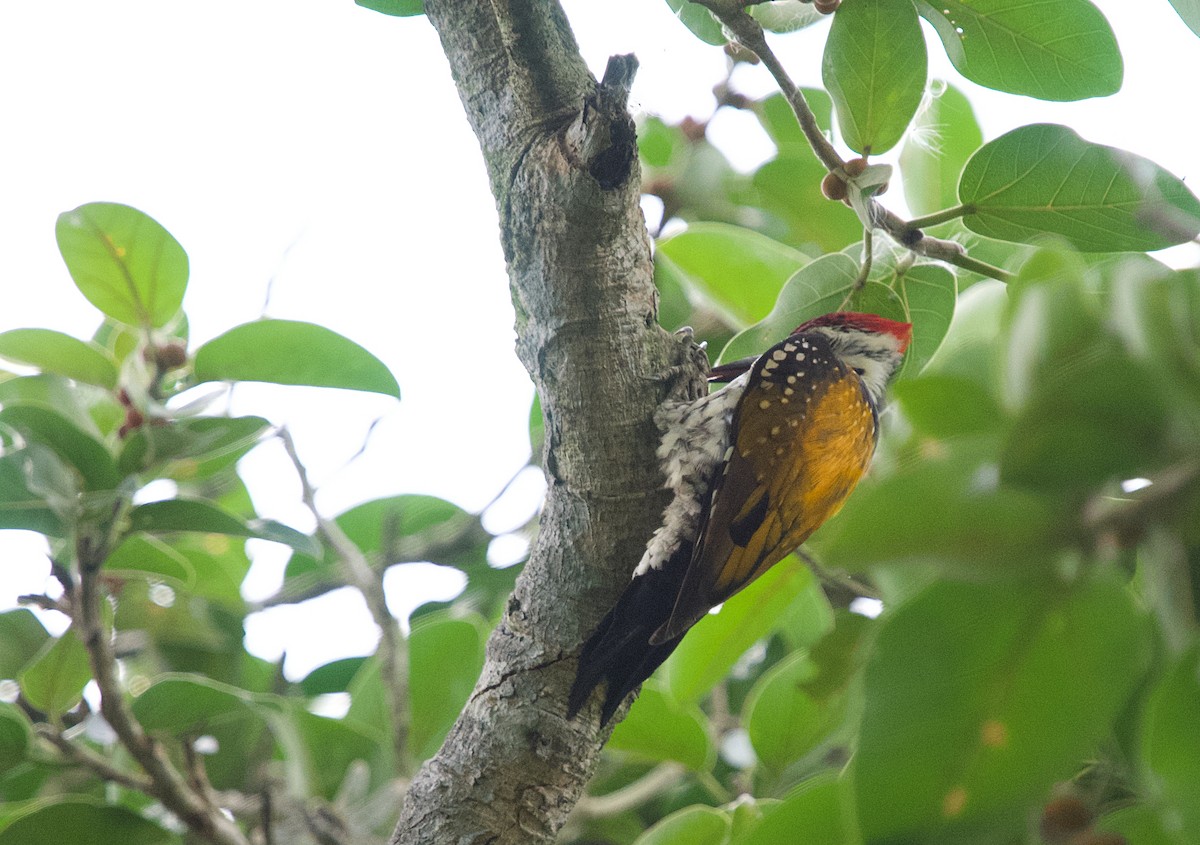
x=94, y=423
x=1030, y=522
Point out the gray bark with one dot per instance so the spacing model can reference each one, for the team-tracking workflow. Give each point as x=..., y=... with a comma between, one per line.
x=563, y=168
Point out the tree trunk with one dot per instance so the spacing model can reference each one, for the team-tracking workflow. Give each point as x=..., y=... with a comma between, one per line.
x=561, y=157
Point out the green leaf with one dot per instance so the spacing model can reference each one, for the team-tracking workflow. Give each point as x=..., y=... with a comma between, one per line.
x=784, y=719
x=924, y=295
x=658, y=728
x=790, y=186
x=396, y=8
x=739, y=269
x=1104, y=420
x=1045, y=179
x=944, y=136
x=807, y=619
x=537, y=420
x=190, y=449
x=777, y=118
x=1049, y=49
x=54, y=681
x=14, y=736
x=711, y=648
x=1156, y=312
x=699, y=20
x=1171, y=745
x=290, y=352
x=746, y=815
x=1189, y=11
x=968, y=351
x=445, y=657
x=369, y=707
x=371, y=525
x=947, y=510
x=810, y=292
x=813, y=812
x=20, y=507
x=55, y=352
x=1086, y=411
x=206, y=518
x=124, y=262
x=875, y=68
x=948, y=406
x=277, y=532
x=381, y=526
x=87, y=455
x=330, y=746
x=188, y=704
x=80, y=820
x=1140, y=824
x=147, y=557
x=220, y=566
x=696, y=825
x=120, y=341
x=965, y=720
x=674, y=308
x=21, y=637
x=659, y=143
x=332, y=677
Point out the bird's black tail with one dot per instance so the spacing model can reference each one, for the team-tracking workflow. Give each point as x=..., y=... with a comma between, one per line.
x=619, y=650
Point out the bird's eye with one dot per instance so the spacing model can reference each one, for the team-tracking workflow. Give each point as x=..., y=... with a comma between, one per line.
x=859, y=370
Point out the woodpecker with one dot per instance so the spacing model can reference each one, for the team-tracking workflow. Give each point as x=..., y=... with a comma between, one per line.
x=755, y=468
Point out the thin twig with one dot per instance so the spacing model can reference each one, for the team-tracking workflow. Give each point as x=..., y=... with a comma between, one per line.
x=359, y=574
x=649, y=786
x=864, y=271
x=943, y=216
x=196, y=774
x=83, y=756
x=1126, y=519
x=750, y=35
x=165, y=782
x=841, y=580
x=44, y=602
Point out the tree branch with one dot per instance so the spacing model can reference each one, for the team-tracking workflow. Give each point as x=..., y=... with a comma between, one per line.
x=750, y=35
x=561, y=156
x=360, y=575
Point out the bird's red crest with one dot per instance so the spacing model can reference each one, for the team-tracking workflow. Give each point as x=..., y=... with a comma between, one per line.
x=863, y=322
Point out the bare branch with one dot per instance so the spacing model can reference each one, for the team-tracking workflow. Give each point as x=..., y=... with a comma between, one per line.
x=81, y=755
x=359, y=574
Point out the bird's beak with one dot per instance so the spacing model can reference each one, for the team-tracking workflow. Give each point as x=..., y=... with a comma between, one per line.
x=731, y=369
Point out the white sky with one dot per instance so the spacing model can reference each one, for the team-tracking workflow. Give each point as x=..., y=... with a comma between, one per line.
x=324, y=145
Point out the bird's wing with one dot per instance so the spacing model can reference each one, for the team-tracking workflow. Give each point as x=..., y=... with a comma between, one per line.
x=803, y=435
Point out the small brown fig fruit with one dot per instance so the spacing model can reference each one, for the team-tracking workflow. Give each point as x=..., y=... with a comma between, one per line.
x=833, y=187
x=855, y=167
x=1063, y=817
x=170, y=355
